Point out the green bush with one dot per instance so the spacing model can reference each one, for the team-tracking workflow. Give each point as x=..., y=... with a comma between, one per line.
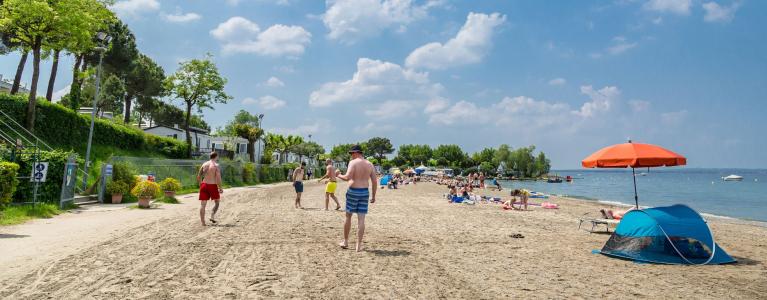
x=61, y=127
x=248, y=173
x=8, y=181
x=125, y=172
x=118, y=187
x=170, y=184
x=50, y=190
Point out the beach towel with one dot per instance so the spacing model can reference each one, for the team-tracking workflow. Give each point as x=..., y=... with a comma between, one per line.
x=549, y=205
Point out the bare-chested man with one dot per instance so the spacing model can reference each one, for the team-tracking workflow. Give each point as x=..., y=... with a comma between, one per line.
x=298, y=183
x=359, y=172
x=330, y=188
x=209, y=179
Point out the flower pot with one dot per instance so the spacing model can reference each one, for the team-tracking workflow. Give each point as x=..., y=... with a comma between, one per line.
x=143, y=202
x=170, y=194
x=117, y=198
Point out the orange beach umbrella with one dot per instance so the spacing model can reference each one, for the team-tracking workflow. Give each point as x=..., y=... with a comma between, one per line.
x=634, y=155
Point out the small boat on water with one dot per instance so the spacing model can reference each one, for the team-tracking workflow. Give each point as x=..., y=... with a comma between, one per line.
x=554, y=180
x=733, y=178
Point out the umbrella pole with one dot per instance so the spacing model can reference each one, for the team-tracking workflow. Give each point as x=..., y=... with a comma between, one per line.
x=634, y=176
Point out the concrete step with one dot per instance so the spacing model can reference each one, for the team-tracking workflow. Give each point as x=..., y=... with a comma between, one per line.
x=86, y=199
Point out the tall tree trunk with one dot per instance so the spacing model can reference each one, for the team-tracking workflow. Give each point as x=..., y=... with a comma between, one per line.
x=128, y=102
x=252, y=151
x=52, y=80
x=186, y=128
x=19, y=72
x=32, y=105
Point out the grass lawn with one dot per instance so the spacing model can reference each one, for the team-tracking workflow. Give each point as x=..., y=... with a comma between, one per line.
x=16, y=214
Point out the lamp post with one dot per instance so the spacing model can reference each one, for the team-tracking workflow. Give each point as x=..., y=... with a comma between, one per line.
x=261, y=146
x=104, y=39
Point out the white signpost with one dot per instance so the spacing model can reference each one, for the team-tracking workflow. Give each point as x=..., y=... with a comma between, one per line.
x=39, y=172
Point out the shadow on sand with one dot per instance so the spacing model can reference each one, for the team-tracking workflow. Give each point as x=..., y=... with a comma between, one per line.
x=390, y=252
x=12, y=236
x=746, y=261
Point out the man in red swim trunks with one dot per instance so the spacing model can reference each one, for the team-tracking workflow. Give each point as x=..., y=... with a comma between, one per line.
x=209, y=178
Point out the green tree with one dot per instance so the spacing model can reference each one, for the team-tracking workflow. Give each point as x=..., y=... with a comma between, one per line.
x=250, y=133
x=111, y=93
x=198, y=83
x=341, y=152
x=167, y=114
x=542, y=164
x=379, y=147
x=308, y=149
x=242, y=117
x=75, y=31
x=503, y=156
x=450, y=155
x=144, y=80
x=30, y=22
x=414, y=154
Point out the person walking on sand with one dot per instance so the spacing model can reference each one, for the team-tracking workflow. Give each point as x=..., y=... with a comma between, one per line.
x=298, y=183
x=359, y=172
x=330, y=188
x=209, y=179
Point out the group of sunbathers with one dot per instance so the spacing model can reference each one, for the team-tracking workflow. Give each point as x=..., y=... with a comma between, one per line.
x=462, y=190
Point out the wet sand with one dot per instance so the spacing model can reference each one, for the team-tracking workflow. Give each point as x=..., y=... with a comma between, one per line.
x=418, y=246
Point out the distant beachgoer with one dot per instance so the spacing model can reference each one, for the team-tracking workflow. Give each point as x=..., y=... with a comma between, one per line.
x=298, y=183
x=309, y=174
x=523, y=195
x=481, y=180
x=496, y=184
x=330, y=188
x=359, y=172
x=209, y=179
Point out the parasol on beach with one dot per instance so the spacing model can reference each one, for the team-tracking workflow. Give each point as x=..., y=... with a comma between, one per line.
x=634, y=155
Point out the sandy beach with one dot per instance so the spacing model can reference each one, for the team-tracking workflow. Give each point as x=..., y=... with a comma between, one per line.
x=418, y=247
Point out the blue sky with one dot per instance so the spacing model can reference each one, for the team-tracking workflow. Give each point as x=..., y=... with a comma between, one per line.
x=567, y=76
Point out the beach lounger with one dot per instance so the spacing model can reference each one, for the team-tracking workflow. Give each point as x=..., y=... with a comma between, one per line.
x=596, y=221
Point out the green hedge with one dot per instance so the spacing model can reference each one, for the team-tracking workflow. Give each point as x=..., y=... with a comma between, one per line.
x=8, y=182
x=61, y=127
x=50, y=190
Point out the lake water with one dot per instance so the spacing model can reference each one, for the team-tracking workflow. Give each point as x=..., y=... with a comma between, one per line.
x=702, y=189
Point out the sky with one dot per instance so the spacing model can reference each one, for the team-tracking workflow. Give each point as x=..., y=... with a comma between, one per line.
x=569, y=77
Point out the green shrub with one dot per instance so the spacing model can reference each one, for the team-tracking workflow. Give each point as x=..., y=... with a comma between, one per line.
x=61, y=127
x=8, y=181
x=125, y=172
x=146, y=189
x=248, y=172
x=118, y=187
x=50, y=190
x=170, y=184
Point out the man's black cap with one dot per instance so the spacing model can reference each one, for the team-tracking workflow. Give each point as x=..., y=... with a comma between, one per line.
x=355, y=148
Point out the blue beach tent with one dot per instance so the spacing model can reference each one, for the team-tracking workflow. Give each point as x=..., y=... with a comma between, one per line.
x=674, y=234
x=385, y=180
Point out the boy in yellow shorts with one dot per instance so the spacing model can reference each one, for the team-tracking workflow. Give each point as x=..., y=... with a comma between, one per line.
x=330, y=188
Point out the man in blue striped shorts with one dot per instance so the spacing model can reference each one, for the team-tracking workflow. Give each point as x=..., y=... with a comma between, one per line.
x=359, y=172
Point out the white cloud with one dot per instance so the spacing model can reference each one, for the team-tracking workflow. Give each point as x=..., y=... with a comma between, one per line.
x=313, y=128
x=601, y=100
x=436, y=105
x=557, y=81
x=526, y=112
x=391, y=109
x=380, y=81
x=351, y=20
x=240, y=35
x=274, y=82
x=374, y=127
x=469, y=46
x=249, y=101
x=718, y=13
x=60, y=93
x=269, y=102
x=639, y=105
x=679, y=7
x=133, y=8
x=181, y=17
x=620, y=45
